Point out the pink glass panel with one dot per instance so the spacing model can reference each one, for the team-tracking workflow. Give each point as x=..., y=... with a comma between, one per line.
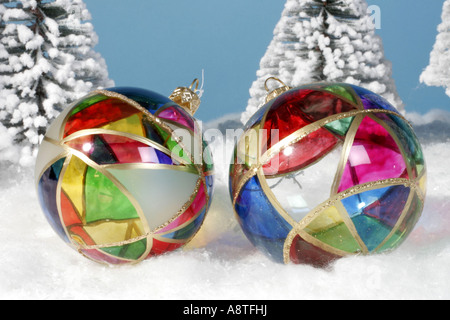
x=175, y=114
x=374, y=156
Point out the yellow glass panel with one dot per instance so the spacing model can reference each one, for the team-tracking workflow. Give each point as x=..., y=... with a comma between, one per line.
x=114, y=232
x=329, y=228
x=131, y=125
x=423, y=184
x=73, y=183
x=248, y=147
x=329, y=218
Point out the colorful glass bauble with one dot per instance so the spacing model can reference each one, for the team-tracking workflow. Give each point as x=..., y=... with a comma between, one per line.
x=124, y=174
x=326, y=171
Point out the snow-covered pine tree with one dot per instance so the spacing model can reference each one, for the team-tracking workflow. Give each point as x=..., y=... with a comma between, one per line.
x=7, y=150
x=437, y=73
x=325, y=40
x=50, y=63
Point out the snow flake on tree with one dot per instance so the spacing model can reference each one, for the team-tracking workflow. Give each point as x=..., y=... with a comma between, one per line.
x=325, y=40
x=437, y=73
x=46, y=62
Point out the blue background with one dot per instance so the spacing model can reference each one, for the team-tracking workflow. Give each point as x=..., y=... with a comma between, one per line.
x=162, y=44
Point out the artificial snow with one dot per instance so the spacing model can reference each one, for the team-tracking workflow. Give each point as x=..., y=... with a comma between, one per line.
x=220, y=263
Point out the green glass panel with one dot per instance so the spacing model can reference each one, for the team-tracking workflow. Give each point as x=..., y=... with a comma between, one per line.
x=341, y=91
x=88, y=102
x=371, y=231
x=151, y=132
x=172, y=145
x=102, y=154
x=340, y=127
x=104, y=201
x=207, y=158
x=340, y=238
x=132, y=251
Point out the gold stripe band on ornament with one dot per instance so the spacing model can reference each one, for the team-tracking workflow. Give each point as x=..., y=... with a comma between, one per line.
x=348, y=143
x=187, y=167
x=150, y=116
x=99, y=168
x=131, y=136
x=336, y=201
x=305, y=131
x=148, y=233
x=113, y=244
x=402, y=217
x=354, y=191
x=299, y=135
x=183, y=208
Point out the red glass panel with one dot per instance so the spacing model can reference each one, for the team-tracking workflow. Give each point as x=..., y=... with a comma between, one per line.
x=284, y=117
x=69, y=213
x=130, y=151
x=302, y=154
x=303, y=252
x=98, y=115
x=160, y=247
x=296, y=109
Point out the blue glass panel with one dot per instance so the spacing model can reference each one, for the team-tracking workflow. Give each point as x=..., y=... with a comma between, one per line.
x=375, y=212
x=389, y=207
x=150, y=100
x=355, y=204
x=260, y=221
x=372, y=100
x=410, y=143
x=230, y=184
x=189, y=230
x=257, y=116
x=370, y=231
x=210, y=188
x=163, y=158
x=152, y=133
x=47, y=197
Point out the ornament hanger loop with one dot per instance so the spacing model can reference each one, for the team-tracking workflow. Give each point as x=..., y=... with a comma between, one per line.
x=277, y=92
x=197, y=83
x=276, y=79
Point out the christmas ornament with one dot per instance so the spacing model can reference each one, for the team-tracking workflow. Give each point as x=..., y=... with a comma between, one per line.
x=123, y=174
x=325, y=171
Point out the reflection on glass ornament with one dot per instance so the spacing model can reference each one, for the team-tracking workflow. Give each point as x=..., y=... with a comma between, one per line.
x=123, y=174
x=326, y=171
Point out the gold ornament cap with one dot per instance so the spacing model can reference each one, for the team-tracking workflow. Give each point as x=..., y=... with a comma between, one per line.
x=276, y=92
x=187, y=98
